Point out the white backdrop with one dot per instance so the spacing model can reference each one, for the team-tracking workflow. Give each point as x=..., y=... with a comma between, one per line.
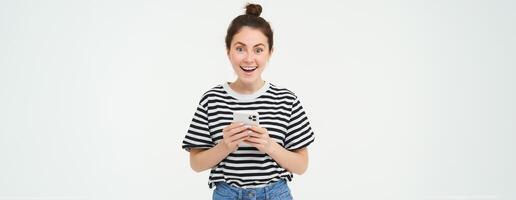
x=408, y=99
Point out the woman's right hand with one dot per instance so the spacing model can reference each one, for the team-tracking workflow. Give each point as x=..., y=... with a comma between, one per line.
x=233, y=134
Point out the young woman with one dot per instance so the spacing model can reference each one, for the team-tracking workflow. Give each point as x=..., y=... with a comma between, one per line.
x=249, y=161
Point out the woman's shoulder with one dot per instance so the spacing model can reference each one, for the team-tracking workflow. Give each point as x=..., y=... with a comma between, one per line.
x=217, y=89
x=214, y=91
x=282, y=91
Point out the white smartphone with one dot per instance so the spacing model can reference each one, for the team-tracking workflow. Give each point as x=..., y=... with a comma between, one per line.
x=246, y=117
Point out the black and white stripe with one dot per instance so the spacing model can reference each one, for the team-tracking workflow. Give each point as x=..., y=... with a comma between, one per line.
x=280, y=112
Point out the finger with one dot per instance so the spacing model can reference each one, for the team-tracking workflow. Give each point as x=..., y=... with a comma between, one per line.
x=236, y=130
x=255, y=140
x=241, y=140
x=242, y=135
x=256, y=135
x=258, y=129
x=233, y=125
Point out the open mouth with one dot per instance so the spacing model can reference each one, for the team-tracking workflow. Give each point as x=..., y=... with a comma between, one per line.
x=248, y=68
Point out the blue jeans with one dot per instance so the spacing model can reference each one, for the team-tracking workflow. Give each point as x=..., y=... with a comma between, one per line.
x=276, y=191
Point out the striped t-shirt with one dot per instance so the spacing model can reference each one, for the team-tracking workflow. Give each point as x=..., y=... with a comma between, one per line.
x=280, y=112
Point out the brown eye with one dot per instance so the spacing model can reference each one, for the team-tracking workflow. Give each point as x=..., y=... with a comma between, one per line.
x=239, y=49
x=258, y=50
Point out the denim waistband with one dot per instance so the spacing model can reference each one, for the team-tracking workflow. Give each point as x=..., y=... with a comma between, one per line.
x=265, y=192
x=271, y=186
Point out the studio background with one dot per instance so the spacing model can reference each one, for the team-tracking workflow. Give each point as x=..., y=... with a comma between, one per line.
x=408, y=99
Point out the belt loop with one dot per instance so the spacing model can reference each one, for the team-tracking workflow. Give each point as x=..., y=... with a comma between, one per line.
x=266, y=192
x=240, y=193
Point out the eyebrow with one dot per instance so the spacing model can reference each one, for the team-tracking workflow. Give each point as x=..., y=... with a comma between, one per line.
x=246, y=45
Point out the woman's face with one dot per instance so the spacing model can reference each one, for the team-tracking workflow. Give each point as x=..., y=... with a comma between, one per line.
x=249, y=54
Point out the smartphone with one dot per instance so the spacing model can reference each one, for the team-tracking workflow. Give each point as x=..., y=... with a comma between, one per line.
x=246, y=117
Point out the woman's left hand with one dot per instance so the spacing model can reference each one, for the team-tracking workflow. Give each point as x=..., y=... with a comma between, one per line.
x=260, y=139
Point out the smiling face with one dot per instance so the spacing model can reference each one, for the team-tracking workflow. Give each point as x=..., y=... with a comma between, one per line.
x=249, y=54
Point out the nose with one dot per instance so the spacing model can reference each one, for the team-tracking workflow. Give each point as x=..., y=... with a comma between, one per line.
x=249, y=58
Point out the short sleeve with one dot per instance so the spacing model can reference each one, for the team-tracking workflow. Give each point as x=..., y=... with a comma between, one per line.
x=198, y=135
x=299, y=131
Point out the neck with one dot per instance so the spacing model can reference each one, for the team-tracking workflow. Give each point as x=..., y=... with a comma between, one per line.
x=246, y=88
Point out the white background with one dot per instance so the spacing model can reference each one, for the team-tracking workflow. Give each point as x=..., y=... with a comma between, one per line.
x=408, y=99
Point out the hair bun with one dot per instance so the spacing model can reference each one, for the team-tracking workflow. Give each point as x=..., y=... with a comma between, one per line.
x=253, y=9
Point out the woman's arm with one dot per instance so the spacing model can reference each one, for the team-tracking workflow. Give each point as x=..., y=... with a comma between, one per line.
x=294, y=161
x=202, y=159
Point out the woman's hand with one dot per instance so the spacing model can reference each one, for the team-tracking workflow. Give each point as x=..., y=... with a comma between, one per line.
x=232, y=135
x=260, y=139
x=295, y=161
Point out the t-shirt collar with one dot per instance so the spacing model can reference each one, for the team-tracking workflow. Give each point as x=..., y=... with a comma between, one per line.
x=241, y=96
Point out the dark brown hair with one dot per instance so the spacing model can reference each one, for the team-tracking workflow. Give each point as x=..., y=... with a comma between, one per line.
x=252, y=19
